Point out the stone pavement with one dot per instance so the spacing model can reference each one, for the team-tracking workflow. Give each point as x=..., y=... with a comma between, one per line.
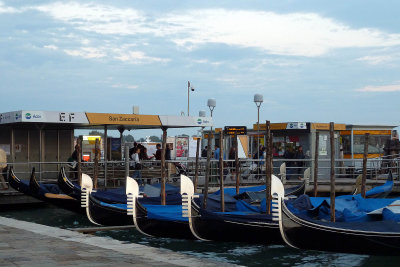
x=29, y=244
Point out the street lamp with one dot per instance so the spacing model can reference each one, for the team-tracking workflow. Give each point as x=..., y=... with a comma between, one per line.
x=190, y=88
x=258, y=99
x=211, y=103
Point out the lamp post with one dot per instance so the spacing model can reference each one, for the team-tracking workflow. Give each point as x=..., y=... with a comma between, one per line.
x=211, y=103
x=190, y=88
x=258, y=99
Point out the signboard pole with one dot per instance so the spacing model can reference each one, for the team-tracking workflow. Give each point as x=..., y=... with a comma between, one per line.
x=196, y=172
x=364, y=173
x=221, y=171
x=332, y=141
x=163, y=176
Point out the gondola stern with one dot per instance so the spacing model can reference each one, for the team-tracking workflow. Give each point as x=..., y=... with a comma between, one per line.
x=187, y=193
x=87, y=188
x=132, y=194
x=277, y=192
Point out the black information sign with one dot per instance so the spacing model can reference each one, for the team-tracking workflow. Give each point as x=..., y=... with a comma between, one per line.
x=239, y=130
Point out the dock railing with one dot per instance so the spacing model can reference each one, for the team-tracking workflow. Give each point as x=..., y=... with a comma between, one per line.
x=251, y=172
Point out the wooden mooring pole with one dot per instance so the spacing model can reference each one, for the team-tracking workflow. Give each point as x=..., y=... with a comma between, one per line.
x=126, y=152
x=96, y=163
x=268, y=167
x=208, y=169
x=364, y=172
x=332, y=144
x=237, y=171
x=221, y=171
x=79, y=167
x=163, y=172
x=316, y=164
x=196, y=172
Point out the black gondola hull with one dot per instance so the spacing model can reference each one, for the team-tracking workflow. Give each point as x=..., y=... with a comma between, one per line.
x=35, y=190
x=338, y=237
x=107, y=215
x=226, y=228
x=160, y=228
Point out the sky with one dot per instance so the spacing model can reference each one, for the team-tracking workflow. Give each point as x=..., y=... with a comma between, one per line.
x=312, y=60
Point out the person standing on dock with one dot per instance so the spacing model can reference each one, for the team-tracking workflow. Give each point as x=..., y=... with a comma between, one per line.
x=3, y=169
x=300, y=162
x=157, y=155
x=136, y=166
x=216, y=152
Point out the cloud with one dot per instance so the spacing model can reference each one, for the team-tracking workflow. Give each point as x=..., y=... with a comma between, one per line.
x=51, y=47
x=382, y=88
x=136, y=57
x=375, y=60
x=5, y=9
x=293, y=34
x=124, y=86
x=86, y=52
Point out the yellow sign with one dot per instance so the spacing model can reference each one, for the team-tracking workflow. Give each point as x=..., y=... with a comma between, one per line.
x=274, y=126
x=325, y=126
x=123, y=119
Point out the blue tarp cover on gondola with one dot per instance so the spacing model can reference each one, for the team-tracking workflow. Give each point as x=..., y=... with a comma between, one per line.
x=118, y=195
x=348, y=208
x=165, y=213
x=232, y=191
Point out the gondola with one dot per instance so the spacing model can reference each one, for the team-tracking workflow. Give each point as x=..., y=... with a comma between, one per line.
x=97, y=211
x=380, y=191
x=156, y=220
x=240, y=226
x=106, y=207
x=379, y=237
x=49, y=193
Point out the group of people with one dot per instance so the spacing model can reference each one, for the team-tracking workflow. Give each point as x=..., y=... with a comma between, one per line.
x=138, y=153
x=294, y=167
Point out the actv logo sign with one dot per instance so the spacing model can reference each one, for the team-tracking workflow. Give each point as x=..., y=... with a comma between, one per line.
x=29, y=116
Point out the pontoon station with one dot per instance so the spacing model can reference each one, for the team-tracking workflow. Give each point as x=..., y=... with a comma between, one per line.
x=46, y=139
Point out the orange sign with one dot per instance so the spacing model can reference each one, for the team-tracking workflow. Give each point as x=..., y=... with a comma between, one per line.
x=325, y=126
x=123, y=119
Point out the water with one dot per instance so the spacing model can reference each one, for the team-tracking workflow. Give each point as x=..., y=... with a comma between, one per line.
x=238, y=253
